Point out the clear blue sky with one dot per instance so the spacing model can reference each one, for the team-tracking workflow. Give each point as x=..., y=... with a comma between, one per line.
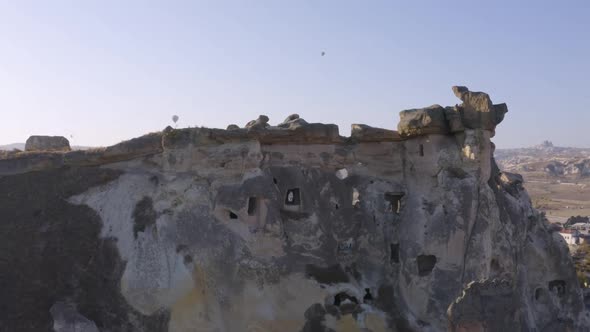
x=105, y=71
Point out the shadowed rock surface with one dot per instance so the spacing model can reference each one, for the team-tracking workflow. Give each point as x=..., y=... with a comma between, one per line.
x=284, y=228
x=51, y=252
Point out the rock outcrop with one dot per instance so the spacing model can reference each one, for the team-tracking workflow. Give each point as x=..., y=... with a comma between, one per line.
x=576, y=168
x=47, y=143
x=284, y=228
x=292, y=121
x=579, y=168
x=423, y=121
x=260, y=123
x=476, y=112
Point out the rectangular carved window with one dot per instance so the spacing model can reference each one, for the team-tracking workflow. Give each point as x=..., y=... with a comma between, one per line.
x=395, y=201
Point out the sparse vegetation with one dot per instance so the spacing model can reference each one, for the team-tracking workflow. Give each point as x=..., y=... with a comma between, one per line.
x=581, y=259
x=541, y=203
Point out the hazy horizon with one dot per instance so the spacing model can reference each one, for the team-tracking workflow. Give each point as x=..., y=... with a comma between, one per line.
x=100, y=72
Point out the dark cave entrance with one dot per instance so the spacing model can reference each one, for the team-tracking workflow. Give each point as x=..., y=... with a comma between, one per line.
x=395, y=201
x=394, y=258
x=557, y=286
x=426, y=264
x=252, y=206
x=293, y=197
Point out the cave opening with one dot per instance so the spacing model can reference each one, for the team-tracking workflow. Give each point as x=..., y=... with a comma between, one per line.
x=394, y=258
x=232, y=215
x=345, y=247
x=368, y=296
x=557, y=287
x=426, y=264
x=293, y=197
x=342, y=298
x=494, y=265
x=251, y=206
x=395, y=201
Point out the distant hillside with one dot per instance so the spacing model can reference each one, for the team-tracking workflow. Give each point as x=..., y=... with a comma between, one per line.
x=546, y=159
x=19, y=146
x=557, y=178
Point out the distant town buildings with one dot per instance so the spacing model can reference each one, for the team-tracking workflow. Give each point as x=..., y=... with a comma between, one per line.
x=575, y=236
x=583, y=228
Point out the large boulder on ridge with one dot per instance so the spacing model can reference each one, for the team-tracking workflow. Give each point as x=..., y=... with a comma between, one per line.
x=423, y=121
x=260, y=123
x=477, y=110
x=292, y=121
x=47, y=143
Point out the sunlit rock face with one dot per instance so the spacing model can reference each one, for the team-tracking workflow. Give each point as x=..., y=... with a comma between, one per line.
x=290, y=228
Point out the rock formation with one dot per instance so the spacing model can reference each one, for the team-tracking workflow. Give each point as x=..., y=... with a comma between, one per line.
x=292, y=121
x=47, y=143
x=284, y=228
x=576, y=168
x=260, y=123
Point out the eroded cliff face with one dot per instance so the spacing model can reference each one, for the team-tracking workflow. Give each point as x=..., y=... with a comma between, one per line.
x=288, y=228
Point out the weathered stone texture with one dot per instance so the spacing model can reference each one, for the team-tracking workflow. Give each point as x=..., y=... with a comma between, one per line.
x=284, y=228
x=423, y=121
x=476, y=112
x=51, y=252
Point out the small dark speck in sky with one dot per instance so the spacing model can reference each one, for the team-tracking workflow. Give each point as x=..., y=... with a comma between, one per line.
x=323, y=53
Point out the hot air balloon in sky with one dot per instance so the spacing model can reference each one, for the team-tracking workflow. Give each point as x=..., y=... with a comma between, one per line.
x=175, y=119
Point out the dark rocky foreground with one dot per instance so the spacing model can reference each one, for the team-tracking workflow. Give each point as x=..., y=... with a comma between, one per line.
x=52, y=251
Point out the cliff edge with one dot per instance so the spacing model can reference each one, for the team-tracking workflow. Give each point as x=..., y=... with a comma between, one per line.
x=284, y=228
